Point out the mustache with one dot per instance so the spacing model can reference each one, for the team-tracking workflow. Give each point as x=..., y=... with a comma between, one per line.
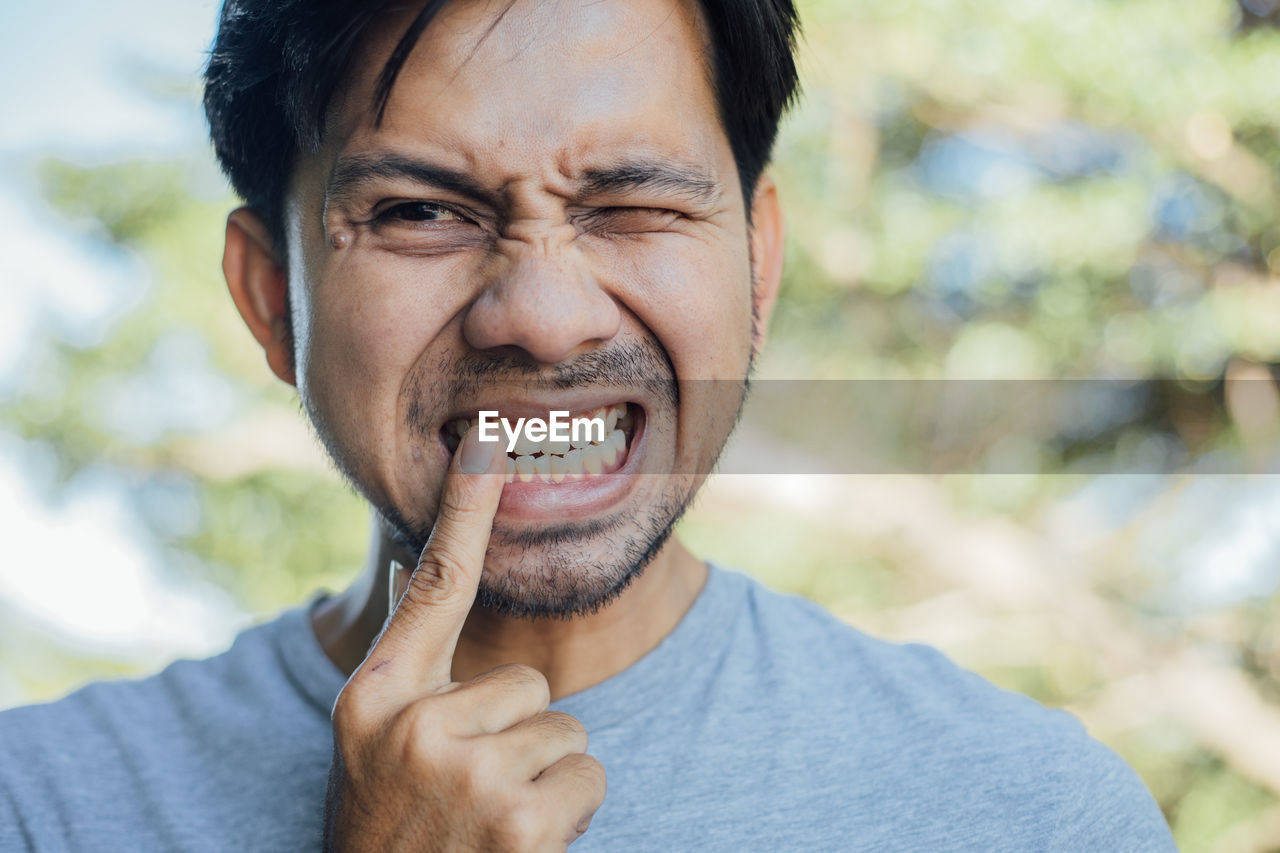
x=632, y=365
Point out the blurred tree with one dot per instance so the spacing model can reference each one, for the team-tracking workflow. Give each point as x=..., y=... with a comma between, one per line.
x=1013, y=189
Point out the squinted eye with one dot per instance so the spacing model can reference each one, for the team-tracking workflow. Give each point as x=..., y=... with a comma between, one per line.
x=625, y=220
x=419, y=211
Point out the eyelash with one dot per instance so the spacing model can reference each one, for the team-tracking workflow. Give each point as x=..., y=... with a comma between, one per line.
x=595, y=216
x=388, y=214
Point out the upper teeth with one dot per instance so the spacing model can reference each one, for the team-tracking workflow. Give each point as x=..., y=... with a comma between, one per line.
x=552, y=461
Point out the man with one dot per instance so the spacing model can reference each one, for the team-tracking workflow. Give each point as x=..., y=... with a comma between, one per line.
x=464, y=208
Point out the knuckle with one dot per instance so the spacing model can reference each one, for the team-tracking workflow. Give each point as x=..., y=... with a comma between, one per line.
x=352, y=711
x=456, y=508
x=566, y=727
x=594, y=772
x=522, y=672
x=522, y=677
x=435, y=578
x=590, y=774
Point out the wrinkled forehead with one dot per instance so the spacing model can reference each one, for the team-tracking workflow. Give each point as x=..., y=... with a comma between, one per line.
x=494, y=87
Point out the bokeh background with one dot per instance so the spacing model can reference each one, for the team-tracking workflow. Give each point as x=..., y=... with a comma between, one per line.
x=977, y=189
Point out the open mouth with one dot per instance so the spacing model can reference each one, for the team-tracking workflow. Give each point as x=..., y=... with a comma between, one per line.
x=583, y=456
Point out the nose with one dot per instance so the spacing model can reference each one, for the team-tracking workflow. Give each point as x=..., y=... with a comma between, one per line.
x=541, y=296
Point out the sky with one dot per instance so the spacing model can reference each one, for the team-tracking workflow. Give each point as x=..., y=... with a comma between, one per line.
x=74, y=79
x=65, y=66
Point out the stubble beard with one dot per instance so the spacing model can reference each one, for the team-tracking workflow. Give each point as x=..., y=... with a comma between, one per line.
x=555, y=576
x=559, y=572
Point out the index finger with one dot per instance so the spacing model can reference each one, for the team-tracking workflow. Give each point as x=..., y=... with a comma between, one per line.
x=422, y=633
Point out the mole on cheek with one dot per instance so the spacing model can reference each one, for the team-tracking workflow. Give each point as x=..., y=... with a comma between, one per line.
x=340, y=239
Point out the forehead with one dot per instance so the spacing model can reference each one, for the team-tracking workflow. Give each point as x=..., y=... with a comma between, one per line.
x=507, y=90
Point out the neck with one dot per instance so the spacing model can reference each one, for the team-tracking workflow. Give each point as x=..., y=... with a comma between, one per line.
x=573, y=654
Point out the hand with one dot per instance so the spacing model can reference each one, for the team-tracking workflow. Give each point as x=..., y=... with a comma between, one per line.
x=424, y=763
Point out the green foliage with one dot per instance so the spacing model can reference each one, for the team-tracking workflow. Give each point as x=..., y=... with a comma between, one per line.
x=1042, y=142
x=270, y=532
x=974, y=189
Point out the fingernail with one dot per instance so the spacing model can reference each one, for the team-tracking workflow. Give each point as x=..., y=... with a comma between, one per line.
x=476, y=455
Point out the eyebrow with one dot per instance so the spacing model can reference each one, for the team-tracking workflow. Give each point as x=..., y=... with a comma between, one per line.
x=655, y=175
x=658, y=176
x=351, y=173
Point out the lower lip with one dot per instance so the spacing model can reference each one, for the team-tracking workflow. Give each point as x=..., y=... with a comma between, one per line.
x=572, y=500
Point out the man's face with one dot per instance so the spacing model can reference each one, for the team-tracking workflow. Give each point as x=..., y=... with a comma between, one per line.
x=547, y=217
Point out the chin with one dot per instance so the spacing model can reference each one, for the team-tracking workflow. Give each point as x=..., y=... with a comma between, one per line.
x=574, y=569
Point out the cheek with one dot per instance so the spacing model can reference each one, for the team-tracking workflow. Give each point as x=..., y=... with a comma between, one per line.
x=697, y=304
x=370, y=321
x=695, y=300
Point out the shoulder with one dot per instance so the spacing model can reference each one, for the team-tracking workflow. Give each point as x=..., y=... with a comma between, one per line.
x=106, y=717
x=911, y=682
x=229, y=752
x=809, y=641
x=941, y=733
x=1103, y=804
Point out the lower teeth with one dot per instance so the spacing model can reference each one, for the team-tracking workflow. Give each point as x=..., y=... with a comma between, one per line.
x=579, y=462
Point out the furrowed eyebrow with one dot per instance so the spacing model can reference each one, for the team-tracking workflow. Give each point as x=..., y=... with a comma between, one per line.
x=664, y=178
x=351, y=173
x=652, y=175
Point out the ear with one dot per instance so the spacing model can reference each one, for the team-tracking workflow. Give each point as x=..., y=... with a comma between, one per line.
x=767, y=235
x=260, y=288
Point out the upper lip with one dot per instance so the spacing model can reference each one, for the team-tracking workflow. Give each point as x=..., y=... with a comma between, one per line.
x=541, y=406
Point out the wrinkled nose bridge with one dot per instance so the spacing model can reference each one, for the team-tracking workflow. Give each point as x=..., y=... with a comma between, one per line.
x=543, y=238
x=542, y=256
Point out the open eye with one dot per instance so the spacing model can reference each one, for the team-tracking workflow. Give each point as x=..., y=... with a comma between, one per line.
x=424, y=228
x=419, y=211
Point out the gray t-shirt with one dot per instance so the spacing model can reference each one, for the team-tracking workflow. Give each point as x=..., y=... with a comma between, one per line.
x=760, y=723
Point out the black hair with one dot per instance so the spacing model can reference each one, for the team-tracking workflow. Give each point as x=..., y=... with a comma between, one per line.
x=275, y=66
